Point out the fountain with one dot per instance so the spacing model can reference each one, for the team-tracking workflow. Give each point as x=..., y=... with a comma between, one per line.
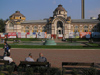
x=50, y=42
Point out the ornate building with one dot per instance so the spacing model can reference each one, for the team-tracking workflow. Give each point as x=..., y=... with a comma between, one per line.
x=59, y=26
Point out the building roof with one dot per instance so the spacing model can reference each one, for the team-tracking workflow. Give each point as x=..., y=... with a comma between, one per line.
x=84, y=21
x=34, y=21
x=17, y=13
x=60, y=8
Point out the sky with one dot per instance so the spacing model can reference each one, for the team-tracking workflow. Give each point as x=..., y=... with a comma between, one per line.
x=40, y=9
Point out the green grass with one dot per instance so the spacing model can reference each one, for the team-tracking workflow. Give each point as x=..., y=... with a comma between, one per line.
x=25, y=39
x=39, y=39
x=52, y=47
x=93, y=44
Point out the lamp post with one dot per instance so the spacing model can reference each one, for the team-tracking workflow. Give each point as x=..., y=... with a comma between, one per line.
x=82, y=8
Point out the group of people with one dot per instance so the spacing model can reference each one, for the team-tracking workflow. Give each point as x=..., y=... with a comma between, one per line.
x=40, y=59
x=7, y=56
x=28, y=59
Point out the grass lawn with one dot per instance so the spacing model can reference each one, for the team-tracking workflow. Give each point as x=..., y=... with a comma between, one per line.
x=53, y=46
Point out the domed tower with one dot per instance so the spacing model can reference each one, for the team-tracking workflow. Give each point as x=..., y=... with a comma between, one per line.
x=60, y=11
x=17, y=16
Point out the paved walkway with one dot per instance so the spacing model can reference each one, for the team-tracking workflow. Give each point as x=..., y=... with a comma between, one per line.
x=56, y=57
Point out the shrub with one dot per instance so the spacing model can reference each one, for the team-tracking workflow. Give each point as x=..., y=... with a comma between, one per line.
x=54, y=71
x=39, y=71
x=1, y=69
x=29, y=71
x=90, y=71
x=74, y=72
x=10, y=69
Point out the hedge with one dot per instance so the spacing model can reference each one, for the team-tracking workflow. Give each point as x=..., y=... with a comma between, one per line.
x=53, y=46
x=39, y=39
x=25, y=39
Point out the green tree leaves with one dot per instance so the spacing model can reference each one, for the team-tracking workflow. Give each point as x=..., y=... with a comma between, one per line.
x=2, y=25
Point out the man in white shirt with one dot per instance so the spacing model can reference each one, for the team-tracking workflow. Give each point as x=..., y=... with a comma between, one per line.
x=8, y=57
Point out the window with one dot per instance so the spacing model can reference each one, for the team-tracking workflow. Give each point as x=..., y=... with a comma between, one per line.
x=26, y=29
x=85, y=26
x=35, y=29
x=76, y=27
x=10, y=25
x=59, y=24
x=43, y=29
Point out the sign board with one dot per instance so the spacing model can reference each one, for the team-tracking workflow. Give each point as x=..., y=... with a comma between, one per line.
x=23, y=35
x=41, y=35
x=76, y=34
x=12, y=35
x=71, y=34
x=19, y=34
x=85, y=34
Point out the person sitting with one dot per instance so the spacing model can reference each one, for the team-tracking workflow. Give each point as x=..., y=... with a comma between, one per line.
x=29, y=58
x=8, y=57
x=41, y=58
x=11, y=62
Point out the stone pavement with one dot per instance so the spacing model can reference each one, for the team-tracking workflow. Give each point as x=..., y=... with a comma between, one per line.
x=57, y=56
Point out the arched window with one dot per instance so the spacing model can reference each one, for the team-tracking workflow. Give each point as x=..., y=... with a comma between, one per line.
x=76, y=27
x=85, y=26
x=59, y=24
x=35, y=29
x=26, y=29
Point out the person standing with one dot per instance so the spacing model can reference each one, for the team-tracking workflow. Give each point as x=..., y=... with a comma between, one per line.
x=41, y=58
x=6, y=48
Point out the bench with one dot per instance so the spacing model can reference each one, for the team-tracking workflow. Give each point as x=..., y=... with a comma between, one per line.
x=33, y=64
x=69, y=67
x=3, y=62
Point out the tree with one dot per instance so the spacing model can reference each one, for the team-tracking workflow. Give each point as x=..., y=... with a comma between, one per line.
x=2, y=25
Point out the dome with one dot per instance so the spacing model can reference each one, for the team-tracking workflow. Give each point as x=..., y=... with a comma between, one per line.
x=17, y=13
x=60, y=8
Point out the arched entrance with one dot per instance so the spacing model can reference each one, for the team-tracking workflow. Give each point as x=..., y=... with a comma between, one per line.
x=59, y=27
x=59, y=30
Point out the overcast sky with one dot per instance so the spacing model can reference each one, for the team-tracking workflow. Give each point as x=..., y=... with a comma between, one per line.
x=40, y=9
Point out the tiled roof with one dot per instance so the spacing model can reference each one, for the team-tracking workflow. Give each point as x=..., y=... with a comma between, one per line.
x=84, y=20
x=35, y=21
